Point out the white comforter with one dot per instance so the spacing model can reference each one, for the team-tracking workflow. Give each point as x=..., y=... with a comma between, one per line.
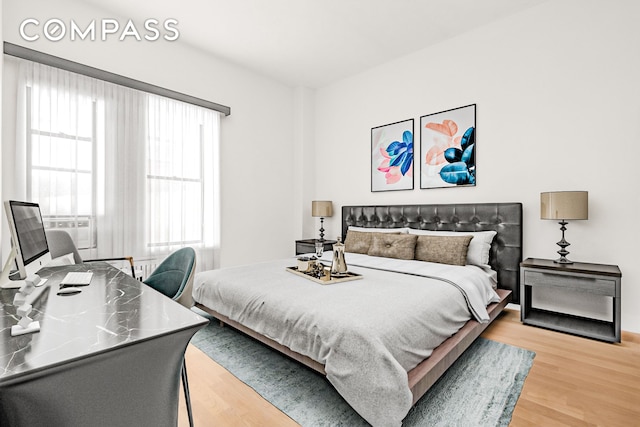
x=368, y=333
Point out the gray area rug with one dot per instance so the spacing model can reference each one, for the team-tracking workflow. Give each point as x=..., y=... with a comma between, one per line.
x=480, y=389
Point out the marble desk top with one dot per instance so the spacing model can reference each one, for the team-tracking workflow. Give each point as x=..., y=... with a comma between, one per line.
x=115, y=310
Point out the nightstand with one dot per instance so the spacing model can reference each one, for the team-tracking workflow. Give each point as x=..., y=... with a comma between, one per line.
x=597, y=279
x=308, y=246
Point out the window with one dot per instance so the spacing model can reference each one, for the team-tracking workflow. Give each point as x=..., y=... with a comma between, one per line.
x=60, y=149
x=175, y=178
x=124, y=171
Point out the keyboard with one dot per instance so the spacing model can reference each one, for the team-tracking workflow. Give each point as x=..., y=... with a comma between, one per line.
x=77, y=278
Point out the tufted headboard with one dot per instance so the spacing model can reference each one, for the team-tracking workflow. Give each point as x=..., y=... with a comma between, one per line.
x=504, y=218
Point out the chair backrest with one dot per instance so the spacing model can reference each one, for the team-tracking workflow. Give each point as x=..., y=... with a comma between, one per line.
x=174, y=276
x=60, y=244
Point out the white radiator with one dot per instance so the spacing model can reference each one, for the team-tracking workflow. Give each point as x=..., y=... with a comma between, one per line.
x=143, y=267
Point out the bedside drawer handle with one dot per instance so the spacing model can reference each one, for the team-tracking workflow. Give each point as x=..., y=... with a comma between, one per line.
x=564, y=277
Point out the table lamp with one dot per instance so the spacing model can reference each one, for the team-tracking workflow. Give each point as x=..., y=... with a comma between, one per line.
x=564, y=205
x=322, y=209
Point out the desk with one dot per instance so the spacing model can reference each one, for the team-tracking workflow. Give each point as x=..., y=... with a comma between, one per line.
x=110, y=355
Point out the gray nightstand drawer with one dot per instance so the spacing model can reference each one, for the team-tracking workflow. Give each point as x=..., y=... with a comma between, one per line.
x=591, y=284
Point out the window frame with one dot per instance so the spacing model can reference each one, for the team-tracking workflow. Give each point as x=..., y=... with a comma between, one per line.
x=200, y=180
x=53, y=221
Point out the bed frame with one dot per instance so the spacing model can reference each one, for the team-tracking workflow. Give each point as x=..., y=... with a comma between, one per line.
x=505, y=258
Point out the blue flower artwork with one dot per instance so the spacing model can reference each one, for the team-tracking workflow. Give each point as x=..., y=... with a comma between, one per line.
x=392, y=156
x=401, y=153
x=447, y=146
x=461, y=169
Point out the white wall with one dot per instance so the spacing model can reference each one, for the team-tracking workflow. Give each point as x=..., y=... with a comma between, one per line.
x=304, y=164
x=257, y=193
x=557, y=92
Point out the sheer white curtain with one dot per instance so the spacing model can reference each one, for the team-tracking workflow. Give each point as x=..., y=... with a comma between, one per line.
x=124, y=171
x=120, y=197
x=182, y=160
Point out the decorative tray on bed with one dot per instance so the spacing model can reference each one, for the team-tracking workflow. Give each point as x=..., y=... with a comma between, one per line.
x=327, y=279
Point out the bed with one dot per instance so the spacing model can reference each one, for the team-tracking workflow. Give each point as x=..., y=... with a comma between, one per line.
x=382, y=341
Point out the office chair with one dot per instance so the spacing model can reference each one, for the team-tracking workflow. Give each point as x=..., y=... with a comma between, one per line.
x=60, y=243
x=174, y=278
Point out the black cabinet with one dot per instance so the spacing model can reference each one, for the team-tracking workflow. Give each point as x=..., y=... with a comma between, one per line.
x=308, y=246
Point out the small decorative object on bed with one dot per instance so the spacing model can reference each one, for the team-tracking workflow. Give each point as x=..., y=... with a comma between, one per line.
x=392, y=156
x=321, y=274
x=447, y=148
x=339, y=264
x=306, y=264
x=564, y=205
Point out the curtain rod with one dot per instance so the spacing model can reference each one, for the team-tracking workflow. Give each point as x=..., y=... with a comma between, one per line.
x=75, y=67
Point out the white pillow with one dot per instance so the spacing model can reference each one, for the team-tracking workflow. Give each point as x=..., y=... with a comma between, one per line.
x=62, y=260
x=479, y=247
x=401, y=230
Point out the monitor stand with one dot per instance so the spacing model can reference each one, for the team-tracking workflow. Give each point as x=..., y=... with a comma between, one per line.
x=6, y=282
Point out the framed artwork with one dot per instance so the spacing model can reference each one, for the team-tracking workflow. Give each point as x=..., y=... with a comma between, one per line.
x=392, y=156
x=448, y=148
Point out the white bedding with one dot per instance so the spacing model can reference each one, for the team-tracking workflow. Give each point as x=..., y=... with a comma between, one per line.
x=368, y=333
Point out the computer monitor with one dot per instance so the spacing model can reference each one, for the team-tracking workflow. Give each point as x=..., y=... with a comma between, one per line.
x=28, y=239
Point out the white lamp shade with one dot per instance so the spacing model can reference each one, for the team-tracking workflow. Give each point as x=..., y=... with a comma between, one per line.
x=321, y=208
x=564, y=205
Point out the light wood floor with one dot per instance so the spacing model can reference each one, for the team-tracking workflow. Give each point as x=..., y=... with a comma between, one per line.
x=573, y=382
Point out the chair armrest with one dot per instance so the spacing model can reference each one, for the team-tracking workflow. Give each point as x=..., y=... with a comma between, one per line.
x=125, y=258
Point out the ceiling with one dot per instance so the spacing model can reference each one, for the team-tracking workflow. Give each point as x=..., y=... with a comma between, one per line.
x=313, y=43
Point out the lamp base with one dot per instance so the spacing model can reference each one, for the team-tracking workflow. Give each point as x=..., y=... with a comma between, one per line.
x=563, y=245
x=321, y=230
